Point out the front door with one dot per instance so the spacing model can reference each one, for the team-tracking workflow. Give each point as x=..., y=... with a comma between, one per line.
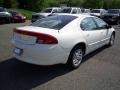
x=91, y=33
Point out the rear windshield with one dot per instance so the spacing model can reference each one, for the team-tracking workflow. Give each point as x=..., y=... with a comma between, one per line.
x=95, y=11
x=113, y=11
x=14, y=13
x=54, y=22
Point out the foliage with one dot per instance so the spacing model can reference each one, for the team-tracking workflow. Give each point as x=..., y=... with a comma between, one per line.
x=37, y=5
x=26, y=13
x=1, y=3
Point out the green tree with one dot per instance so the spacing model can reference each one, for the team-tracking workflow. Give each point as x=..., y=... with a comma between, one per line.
x=7, y=3
x=1, y=3
x=14, y=4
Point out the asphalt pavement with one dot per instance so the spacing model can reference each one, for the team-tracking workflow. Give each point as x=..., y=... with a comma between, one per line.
x=100, y=70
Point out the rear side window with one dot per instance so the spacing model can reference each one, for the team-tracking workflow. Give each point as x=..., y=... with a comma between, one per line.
x=88, y=24
x=54, y=22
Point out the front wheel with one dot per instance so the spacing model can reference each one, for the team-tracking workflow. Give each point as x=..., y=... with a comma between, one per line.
x=112, y=40
x=118, y=23
x=7, y=20
x=75, y=58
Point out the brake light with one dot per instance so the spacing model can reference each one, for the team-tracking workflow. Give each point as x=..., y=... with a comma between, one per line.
x=41, y=37
x=46, y=39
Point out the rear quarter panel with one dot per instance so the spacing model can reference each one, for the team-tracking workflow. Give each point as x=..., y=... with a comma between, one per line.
x=71, y=35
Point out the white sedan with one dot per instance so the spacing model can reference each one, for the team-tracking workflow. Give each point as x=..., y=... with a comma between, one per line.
x=62, y=39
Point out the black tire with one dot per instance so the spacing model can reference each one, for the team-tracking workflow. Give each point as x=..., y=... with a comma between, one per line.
x=7, y=20
x=112, y=40
x=75, y=58
x=118, y=22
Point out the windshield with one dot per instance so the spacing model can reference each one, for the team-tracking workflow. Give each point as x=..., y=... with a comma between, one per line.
x=2, y=10
x=95, y=11
x=113, y=11
x=54, y=22
x=14, y=13
x=66, y=10
x=46, y=11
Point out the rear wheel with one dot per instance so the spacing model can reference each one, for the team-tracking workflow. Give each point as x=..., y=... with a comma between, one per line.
x=75, y=58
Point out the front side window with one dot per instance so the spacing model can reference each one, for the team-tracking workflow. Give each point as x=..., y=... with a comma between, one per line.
x=54, y=22
x=88, y=24
x=100, y=23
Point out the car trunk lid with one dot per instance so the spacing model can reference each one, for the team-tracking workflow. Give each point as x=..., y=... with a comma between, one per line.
x=30, y=34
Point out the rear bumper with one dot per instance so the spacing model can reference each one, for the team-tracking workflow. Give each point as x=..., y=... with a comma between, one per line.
x=41, y=54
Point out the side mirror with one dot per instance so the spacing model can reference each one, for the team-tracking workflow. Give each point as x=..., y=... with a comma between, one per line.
x=108, y=26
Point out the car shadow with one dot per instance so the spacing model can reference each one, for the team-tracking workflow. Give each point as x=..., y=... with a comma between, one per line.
x=87, y=57
x=15, y=74
x=3, y=23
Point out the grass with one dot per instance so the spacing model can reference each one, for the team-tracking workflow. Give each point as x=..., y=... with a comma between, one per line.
x=27, y=13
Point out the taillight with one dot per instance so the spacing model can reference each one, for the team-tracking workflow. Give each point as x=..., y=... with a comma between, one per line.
x=46, y=39
x=41, y=37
